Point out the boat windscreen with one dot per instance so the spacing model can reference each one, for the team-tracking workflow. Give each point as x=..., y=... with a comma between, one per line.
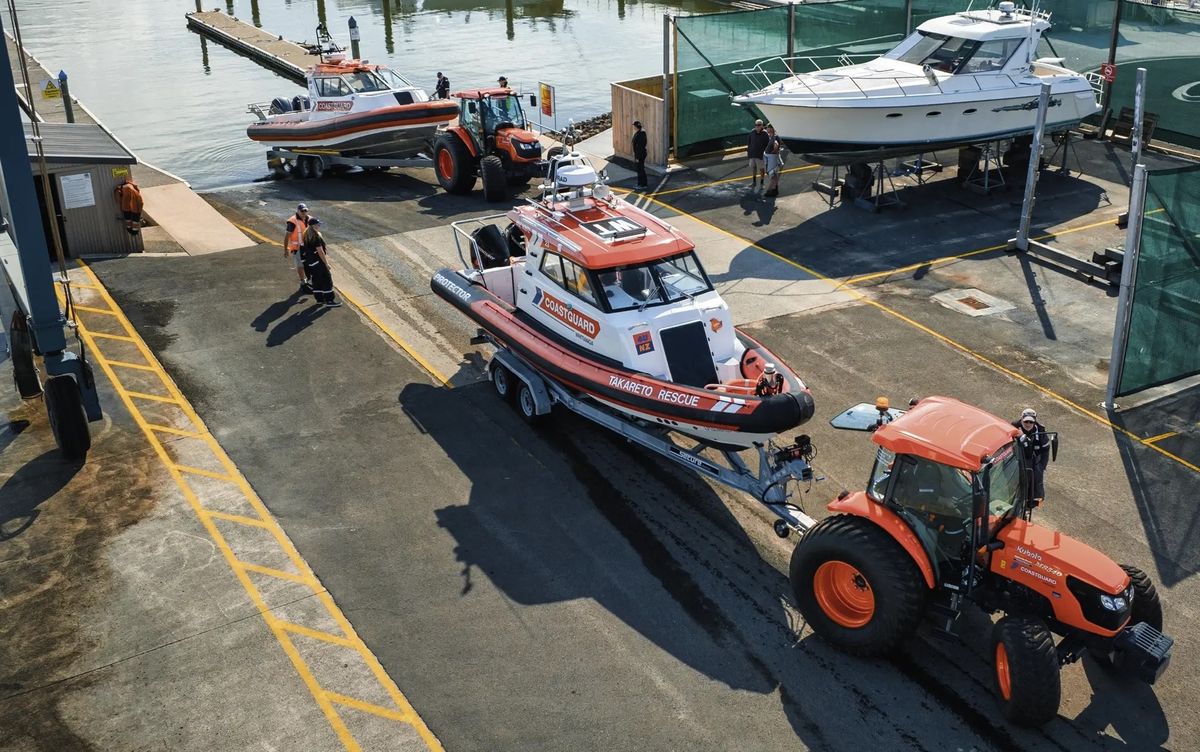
x=395, y=81
x=654, y=283
x=365, y=81
x=940, y=52
x=503, y=110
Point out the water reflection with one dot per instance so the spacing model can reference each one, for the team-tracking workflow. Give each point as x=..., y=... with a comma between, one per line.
x=254, y=15
x=508, y=20
x=204, y=56
x=321, y=13
x=388, y=43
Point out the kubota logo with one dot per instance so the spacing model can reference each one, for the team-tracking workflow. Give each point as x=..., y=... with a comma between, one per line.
x=566, y=313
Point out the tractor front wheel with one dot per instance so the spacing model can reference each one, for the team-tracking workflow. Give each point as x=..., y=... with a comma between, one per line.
x=1026, y=670
x=856, y=587
x=495, y=182
x=1146, y=605
x=452, y=164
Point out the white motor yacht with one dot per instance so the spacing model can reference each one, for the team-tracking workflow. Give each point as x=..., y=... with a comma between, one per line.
x=963, y=79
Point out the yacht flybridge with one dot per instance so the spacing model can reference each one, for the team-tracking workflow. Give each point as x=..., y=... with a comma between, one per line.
x=967, y=78
x=612, y=305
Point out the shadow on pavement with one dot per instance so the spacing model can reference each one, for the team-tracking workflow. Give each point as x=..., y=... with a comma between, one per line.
x=272, y=313
x=294, y=324
x=29, y=487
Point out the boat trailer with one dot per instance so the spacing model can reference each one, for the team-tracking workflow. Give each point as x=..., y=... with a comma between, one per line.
x=778, y=466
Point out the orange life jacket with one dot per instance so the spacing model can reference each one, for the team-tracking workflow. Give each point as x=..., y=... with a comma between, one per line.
x=298, y=227
x=130, y=197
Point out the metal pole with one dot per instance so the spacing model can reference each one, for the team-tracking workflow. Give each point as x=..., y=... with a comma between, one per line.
x=66, y=96
x=665, y=136
x=1106, y=100
x=1139, y=112
x=1133, y=245
x=791, y=30
x=354, y=39
x=1031, y=176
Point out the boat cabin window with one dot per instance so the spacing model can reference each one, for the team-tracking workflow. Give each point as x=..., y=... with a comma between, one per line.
x=955, y=55
x=365, y=81
x=570, y=277
x=653, y=283
x=991, y=56
x=332, y=86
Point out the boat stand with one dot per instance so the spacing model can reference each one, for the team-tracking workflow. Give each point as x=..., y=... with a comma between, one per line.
x=986, y=174
x=831, y=190
x=879, y=190
x=917, y=167
x=780, y=469
x=1064, y=142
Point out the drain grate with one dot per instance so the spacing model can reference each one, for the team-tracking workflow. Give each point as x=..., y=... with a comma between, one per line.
x=972, y=302
x=975, y=303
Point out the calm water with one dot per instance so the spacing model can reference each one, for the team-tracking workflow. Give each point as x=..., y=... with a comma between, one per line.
x=179, y=101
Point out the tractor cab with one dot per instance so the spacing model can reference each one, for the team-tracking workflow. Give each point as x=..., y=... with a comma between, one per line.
x=491, y=141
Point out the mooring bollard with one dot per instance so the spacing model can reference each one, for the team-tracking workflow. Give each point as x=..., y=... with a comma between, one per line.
x=66, y=96
x=354, y=39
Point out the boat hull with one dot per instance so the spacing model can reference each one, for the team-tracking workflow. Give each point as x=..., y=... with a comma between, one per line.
x=733, y=421
x=862, y=130
x=400, y=130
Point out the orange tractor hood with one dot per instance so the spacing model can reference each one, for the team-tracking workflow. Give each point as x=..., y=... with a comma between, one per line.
x=1042, y=558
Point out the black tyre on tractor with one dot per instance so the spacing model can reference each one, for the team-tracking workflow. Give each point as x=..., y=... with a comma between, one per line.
x=1026, y=670
x=68, y=423
x=1146, y=605
x=453, y=164
x=504, y=382
x=856, y=586
x=495, y=182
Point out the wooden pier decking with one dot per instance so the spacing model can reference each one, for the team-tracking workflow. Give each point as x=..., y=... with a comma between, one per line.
x=288, y=59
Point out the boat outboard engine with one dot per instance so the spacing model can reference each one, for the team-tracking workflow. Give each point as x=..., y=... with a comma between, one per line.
x=280, y=105
x=299, y=103
x=490, y=247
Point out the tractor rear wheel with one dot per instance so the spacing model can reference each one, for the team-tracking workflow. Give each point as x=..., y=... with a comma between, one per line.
x=495, y=182
x=856, y=587
x=452, y=164
x=1026, y=670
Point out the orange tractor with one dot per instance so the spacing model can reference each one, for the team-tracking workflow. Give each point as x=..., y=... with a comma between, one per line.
x=945, y=521
x=491, y=141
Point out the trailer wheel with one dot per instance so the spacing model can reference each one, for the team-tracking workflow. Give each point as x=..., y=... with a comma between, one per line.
x=68, y=423
x=452, y=164
x=495, y=182
x=502, y=381
x=856, y=587
x=526, y=405
x=25, y=374
x=316, y=167
x=1026, y=672
x=303, y=168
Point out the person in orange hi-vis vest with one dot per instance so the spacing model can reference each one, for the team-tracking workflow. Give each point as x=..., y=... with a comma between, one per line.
x=293, y=229
x=130, y=199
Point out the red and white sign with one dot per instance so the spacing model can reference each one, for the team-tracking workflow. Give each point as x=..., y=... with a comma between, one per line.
x=1108, y=72
x=547, y=93
x=333, y=106
x=566, y=313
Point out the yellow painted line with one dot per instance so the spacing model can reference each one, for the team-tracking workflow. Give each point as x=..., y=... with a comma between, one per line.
x=201, y=471
x=118, y=337
x=239, y=519
x=316, y=634
x=740, y=179
x=429, y=367
x=89, y=309
x=135, y=366
x=78, y=284
x=169, y=429
x=279, y=574
x=864, y=298
x=1160, y=437
x=366, y=707
x=152, y=397
x=958, y=257
x=406, y=711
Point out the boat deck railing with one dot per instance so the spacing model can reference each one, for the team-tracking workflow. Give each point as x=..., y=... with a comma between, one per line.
x=779, y=72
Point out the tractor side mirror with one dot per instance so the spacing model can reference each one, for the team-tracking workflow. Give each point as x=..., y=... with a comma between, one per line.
x=532, y=100
x=471, y=108
x=979, y=497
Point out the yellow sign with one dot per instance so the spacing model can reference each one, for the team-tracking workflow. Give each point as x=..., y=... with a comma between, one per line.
x=547, y=92
x=120, y=172
x=51, y=90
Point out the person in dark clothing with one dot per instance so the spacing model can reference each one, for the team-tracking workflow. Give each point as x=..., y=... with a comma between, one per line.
x=773, y=161
x=639, y=153
x=1035, y=444
x=441, y=89
x=756, y=146
x=312, y=254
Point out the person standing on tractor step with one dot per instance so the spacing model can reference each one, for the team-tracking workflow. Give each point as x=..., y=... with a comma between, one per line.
x=312, y=254
x=441, y=89
x=756, y=146
x=293, y=232
x=639, y=153
x=129, y=197
x=1035, y=443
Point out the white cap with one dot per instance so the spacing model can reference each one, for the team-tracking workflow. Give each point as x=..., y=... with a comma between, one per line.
x=769, y=368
